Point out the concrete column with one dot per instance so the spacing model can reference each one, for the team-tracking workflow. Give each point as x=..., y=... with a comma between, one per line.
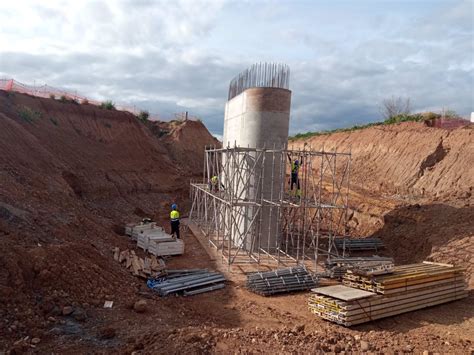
x=259, y=118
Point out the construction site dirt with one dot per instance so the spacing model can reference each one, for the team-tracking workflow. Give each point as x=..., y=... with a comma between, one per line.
x=72, y=175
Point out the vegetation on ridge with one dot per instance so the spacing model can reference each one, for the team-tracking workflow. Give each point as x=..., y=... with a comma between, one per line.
x=404, y=117
x=107, y=105
x=143, y=116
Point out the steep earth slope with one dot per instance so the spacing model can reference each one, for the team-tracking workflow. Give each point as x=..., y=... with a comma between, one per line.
x=408, y=158
x=183, y=141
x=71, y=175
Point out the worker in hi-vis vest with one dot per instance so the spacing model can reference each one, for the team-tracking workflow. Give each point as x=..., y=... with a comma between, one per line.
x=174, y=216
x=215, y=183
x=295, y=167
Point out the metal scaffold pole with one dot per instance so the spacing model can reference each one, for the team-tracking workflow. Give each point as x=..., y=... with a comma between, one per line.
x=249, y=222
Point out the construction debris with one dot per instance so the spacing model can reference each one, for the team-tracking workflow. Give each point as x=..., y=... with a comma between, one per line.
x=280, y=281
x=408, y=288
x=142, y=267
x=369, y=265
x=187, y=282
x=361, y=244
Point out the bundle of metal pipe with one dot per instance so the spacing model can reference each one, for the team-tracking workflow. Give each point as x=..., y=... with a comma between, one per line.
x=358, y=244
x=189, y=282
x=336, y=272
x=370, y=265
x=280, y=281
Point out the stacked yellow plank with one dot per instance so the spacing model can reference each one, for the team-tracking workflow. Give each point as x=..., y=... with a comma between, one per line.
x=408, y=288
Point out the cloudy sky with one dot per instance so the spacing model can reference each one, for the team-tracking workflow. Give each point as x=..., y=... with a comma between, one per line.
x=171, y=56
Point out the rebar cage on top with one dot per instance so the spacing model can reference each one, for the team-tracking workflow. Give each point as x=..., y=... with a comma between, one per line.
x=259, y=205
x=269, y=75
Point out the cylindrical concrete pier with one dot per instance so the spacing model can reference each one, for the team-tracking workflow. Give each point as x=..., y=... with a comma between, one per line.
x=259, y=117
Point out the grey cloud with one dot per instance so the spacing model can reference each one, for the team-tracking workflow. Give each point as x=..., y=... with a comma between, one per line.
x=339, y=86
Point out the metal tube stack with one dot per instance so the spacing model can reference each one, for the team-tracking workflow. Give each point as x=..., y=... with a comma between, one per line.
x=368, y=265
x=189, y=282
x=280, y=281
x=361, y=244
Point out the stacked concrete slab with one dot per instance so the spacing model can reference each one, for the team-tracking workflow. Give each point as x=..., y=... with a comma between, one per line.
x=175, y=247
x=154, y=239
x=134, y=230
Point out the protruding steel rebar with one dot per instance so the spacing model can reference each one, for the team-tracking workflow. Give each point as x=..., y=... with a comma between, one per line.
x=268, y=75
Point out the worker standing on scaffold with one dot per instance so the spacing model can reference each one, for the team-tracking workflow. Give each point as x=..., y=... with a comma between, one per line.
x=215, y=183
x=295, y=167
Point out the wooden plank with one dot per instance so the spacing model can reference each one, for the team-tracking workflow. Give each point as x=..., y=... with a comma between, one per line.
x=419, y=276
x=413, y=287
x=411, y=275
x=371, y=309
x=425, y=285
x=396, y=280
x=416, y=282
x=389, y=314
x=408, y=288
x=342, y=292
x=433, y=263
x=414, y=269
x=379, y=299
x=462, y=295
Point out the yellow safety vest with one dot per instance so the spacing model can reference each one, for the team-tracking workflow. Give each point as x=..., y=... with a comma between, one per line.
x=174, y=215
x=294, y=167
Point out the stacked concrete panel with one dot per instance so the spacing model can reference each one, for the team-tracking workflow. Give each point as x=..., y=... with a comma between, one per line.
x=154, y=239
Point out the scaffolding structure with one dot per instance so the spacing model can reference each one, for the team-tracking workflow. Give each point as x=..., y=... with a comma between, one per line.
x=287, y=222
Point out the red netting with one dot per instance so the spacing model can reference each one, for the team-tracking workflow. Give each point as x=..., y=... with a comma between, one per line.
x=49, y=91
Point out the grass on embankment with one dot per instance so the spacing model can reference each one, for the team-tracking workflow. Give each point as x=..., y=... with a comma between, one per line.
x=417, y=117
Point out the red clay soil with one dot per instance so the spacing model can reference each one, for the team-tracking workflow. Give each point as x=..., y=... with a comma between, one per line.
x=72, y=175
x=408, y=159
